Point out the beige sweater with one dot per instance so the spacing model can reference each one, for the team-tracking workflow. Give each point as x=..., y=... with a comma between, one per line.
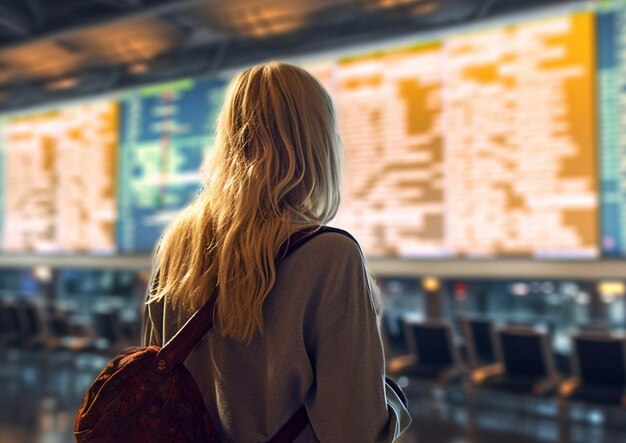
x=321, y=347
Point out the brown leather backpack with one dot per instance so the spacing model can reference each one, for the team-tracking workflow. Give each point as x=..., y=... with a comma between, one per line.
x=146, y=394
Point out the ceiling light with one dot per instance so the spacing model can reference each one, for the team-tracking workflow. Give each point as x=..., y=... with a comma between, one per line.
x=42, y=273
x=612, y=289
x=431, y=284
x=62, y=84
x=260, y=19
x=138, y=68
x=416, y=7
x=388, y=4
x=424, y=8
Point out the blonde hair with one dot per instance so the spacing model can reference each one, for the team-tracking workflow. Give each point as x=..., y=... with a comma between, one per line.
x=276, y=169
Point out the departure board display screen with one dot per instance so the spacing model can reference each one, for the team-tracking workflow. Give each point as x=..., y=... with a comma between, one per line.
x=611, y=60
x=390, y=114
x=166, y=130
x=520, y=140
x=60, y=176
x=482, y=144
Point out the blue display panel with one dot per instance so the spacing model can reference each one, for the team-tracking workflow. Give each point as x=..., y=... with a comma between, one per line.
x=2, y=178
x=20, y=283
x=611, y=23
x=166, y=130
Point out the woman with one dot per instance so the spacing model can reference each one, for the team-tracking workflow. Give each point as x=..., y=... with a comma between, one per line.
x=303, y=332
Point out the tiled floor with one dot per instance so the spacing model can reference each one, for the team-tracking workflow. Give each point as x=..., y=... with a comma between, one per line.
x=39, y=394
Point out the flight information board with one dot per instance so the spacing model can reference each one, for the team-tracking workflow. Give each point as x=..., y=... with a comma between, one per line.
x=3, y=124
x=611, y=59
x=166, y=131
x=390, y=114
x=520, y=157
x=60, y=175
x=481, y=145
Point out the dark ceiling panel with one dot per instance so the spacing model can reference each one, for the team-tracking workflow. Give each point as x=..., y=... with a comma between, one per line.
x=65, y=48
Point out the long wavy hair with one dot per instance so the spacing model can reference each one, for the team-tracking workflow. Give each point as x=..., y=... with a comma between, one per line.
x=275, y=170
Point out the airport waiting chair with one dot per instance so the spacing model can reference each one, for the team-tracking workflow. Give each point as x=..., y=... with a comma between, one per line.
x=32, y=325
x=594, y=327
x=599, y=366
x=391, y=332
x=9, y=323
x=37, y=330
x=111, y=338
x=525, y=363
x=69, y=339
x=432, y=353
x=478, y=334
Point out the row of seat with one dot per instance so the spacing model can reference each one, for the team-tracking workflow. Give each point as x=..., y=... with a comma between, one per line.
x=515, y=359
x=512, y=358
x=32, y=324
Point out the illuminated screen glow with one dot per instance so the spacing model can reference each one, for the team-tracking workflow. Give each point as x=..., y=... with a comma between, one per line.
x=479, y=144
x=611, y=60
x=482, y=144
x=166, y=132
x=520, y=160
x=60, y=175
x=390, y=114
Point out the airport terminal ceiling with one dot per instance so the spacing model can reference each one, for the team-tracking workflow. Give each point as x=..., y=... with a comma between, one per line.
x=69, y=48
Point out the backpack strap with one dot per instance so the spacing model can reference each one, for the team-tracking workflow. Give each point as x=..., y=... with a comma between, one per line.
x=299, y=238
x=293, y=428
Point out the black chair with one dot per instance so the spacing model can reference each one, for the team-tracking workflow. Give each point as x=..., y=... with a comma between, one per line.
x=9, y=323
x=111, y=338
x=32, y=325
x=594, y=326
x=525, y=363
x=394, y=343
x=478, y=333
x=433, y=354
x=599, y=363
x=69, y=339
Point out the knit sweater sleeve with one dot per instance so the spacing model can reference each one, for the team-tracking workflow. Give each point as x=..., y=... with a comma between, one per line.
x=350, y=400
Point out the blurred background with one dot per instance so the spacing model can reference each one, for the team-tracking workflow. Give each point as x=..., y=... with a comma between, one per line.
x=485, y=178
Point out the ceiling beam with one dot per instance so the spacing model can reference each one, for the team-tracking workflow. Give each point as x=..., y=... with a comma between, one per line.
x=148, y=9
x=13, y=22
x=122, y=4
x=484, y=8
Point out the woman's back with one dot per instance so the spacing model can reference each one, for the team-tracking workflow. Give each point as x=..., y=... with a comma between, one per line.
x=301, y=333
x=320, y=347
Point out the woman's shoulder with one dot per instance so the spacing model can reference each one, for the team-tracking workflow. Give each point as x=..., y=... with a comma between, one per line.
x=331, y=249
x=332, y=242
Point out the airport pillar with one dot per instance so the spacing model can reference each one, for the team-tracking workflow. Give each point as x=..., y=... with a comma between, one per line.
x=433, y=298
x=597, y=309
x=47, y=280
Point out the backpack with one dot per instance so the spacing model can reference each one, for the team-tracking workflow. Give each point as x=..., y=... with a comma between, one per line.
x=146, y=394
